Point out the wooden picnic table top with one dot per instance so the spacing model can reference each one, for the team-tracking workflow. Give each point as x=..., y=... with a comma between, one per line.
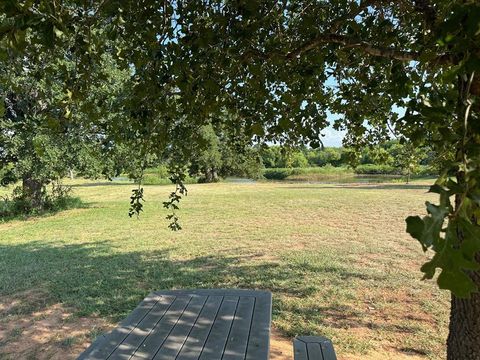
x=191, y=324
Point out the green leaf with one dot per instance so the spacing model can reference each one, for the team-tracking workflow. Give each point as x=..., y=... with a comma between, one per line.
x=284, y=123
x=257, y=129
x=427, y=230
x=471, y=239
x=437, y=189
x=19, y=37
x=454, y=260
x=58, y=32
x=3, y=54
x=457, y=282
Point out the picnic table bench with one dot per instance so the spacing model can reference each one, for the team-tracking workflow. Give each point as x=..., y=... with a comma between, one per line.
x=200, y=324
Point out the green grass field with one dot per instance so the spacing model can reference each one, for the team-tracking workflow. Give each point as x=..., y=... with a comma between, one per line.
x=336, y=258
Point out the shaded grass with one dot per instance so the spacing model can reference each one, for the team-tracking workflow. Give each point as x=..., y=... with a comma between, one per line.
x=336, y=258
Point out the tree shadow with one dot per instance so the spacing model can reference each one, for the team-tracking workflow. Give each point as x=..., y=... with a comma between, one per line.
x=98, y=279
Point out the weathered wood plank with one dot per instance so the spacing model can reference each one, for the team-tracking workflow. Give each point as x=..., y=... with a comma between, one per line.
x=108, y=343
x=316, y=348
x=238, y=339
x=216, y=292
x=193, y=346
x=213, y=348
x=162, y=329
x=131, y=343
x=173, y=344
x=314, y=351
x=327, y=350
x=191, y=324
x=300, y=350
x=259, y=340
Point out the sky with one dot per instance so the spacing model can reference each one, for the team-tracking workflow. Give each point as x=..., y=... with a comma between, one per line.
x=332, y=138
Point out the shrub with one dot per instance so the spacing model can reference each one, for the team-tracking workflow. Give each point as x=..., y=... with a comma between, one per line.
x=426, y=170
x=326, y=156
x=283, y=173
x=297, y=160
x=372, y=169
x=277, y=173
x=58, y=199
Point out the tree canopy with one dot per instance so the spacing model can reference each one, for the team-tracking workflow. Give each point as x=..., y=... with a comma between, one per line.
x=280, y=67
x=44, y=134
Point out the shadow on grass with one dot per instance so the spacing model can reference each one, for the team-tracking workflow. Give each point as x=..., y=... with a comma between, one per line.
x=94, y=278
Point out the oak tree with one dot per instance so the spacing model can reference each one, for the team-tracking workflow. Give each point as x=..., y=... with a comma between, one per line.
x=280, y=67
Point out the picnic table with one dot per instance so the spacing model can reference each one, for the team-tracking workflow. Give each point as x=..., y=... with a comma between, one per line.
x=198, y=324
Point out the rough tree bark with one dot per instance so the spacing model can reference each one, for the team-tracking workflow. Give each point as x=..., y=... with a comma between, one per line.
x=464, y=329
x=33, y=192
x=211, y=175
x=464, y=332
x=463, y=341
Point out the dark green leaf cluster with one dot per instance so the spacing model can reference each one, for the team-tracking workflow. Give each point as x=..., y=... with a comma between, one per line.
x=454, y=239
x=136, y=202
x=177, y=177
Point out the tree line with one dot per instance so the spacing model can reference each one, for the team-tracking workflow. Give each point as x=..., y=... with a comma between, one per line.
x=390, y=157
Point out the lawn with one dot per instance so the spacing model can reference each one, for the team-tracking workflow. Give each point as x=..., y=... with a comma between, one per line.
x=336, y=258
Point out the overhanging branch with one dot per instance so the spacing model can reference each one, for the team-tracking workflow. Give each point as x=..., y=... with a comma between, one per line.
x=347, y=42
x=366, y=47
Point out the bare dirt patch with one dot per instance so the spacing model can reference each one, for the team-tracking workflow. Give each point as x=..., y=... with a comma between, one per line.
x=31, y=328
x=281, y=347
x=378, y=355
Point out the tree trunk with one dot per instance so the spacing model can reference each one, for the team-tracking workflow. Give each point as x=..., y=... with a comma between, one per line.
x=463, y=341
x=464, y=333
x=33, y=192
x=208, y=177
x=211, y=175
x=214, y=175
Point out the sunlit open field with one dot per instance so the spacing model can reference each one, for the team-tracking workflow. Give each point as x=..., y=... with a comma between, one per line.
x=336, y=258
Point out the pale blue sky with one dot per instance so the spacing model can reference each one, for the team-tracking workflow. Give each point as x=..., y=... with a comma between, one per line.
x=332, y=138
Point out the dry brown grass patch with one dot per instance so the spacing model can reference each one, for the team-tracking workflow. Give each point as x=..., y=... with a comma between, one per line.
x=31, y=328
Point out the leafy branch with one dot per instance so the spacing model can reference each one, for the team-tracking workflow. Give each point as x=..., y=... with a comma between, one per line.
x=457, y=244
x=177, y=177
x=136, y=202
